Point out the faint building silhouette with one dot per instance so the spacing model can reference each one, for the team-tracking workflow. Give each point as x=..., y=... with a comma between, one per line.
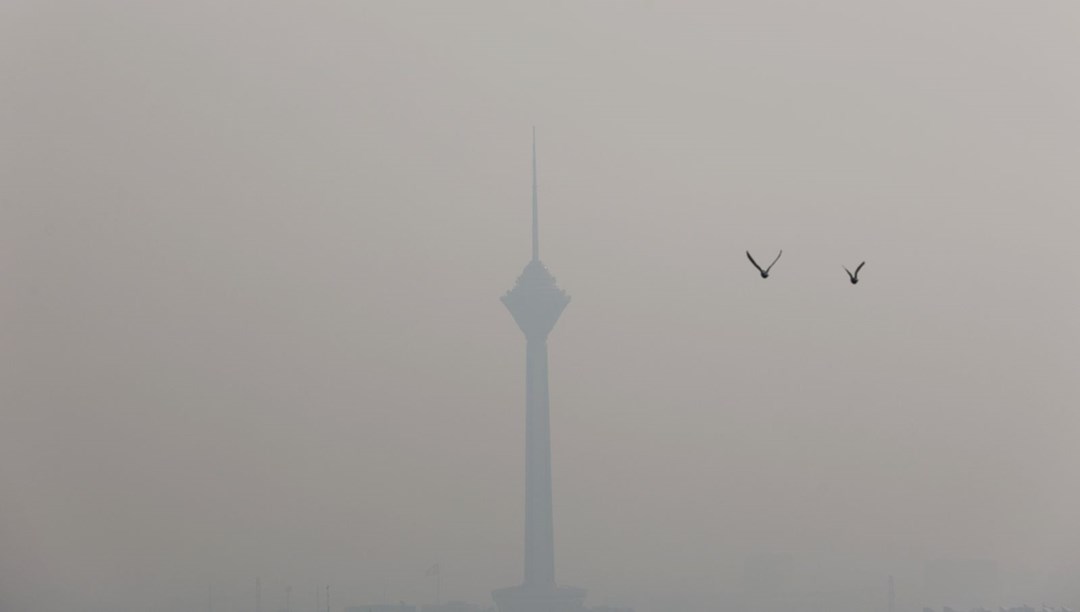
x=961, y=583
x=453, y=606
x=398, y=607
x=768, y=575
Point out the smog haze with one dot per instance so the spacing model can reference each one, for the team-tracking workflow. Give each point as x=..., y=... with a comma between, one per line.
x=251, y=256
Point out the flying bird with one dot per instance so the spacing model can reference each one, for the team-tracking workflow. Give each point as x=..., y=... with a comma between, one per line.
x=854, y=277
x=765, y=272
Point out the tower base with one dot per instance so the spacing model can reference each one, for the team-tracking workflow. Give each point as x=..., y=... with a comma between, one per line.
x=539, y=599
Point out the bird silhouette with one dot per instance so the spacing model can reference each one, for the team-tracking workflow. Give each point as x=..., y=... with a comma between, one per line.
x=765, y=272
x=854, y=277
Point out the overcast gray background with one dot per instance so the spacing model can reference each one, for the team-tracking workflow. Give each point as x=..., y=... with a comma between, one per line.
x=251, y=255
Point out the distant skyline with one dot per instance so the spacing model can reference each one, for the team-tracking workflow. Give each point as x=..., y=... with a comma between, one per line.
x=250, y=255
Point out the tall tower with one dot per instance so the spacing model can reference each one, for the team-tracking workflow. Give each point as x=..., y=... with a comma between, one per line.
x=536, y=303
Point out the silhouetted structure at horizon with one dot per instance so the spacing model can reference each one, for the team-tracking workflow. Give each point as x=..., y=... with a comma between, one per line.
x=536, y=303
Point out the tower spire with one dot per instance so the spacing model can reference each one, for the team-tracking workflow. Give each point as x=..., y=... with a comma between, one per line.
x=535, y=206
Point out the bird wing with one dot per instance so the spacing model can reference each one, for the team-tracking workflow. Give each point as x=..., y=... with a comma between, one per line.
x=859, y=268
x=751, y=257
x=775, y=260
x=850, y=275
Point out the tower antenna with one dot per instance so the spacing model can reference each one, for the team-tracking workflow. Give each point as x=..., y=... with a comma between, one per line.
x=535, y=206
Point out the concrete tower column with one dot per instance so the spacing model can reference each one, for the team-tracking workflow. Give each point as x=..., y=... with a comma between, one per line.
x=539, y=523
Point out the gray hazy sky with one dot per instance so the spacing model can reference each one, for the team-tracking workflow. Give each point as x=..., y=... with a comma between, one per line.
x=251, y=255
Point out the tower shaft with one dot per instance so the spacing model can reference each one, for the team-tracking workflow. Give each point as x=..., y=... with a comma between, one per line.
x=539, y=522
